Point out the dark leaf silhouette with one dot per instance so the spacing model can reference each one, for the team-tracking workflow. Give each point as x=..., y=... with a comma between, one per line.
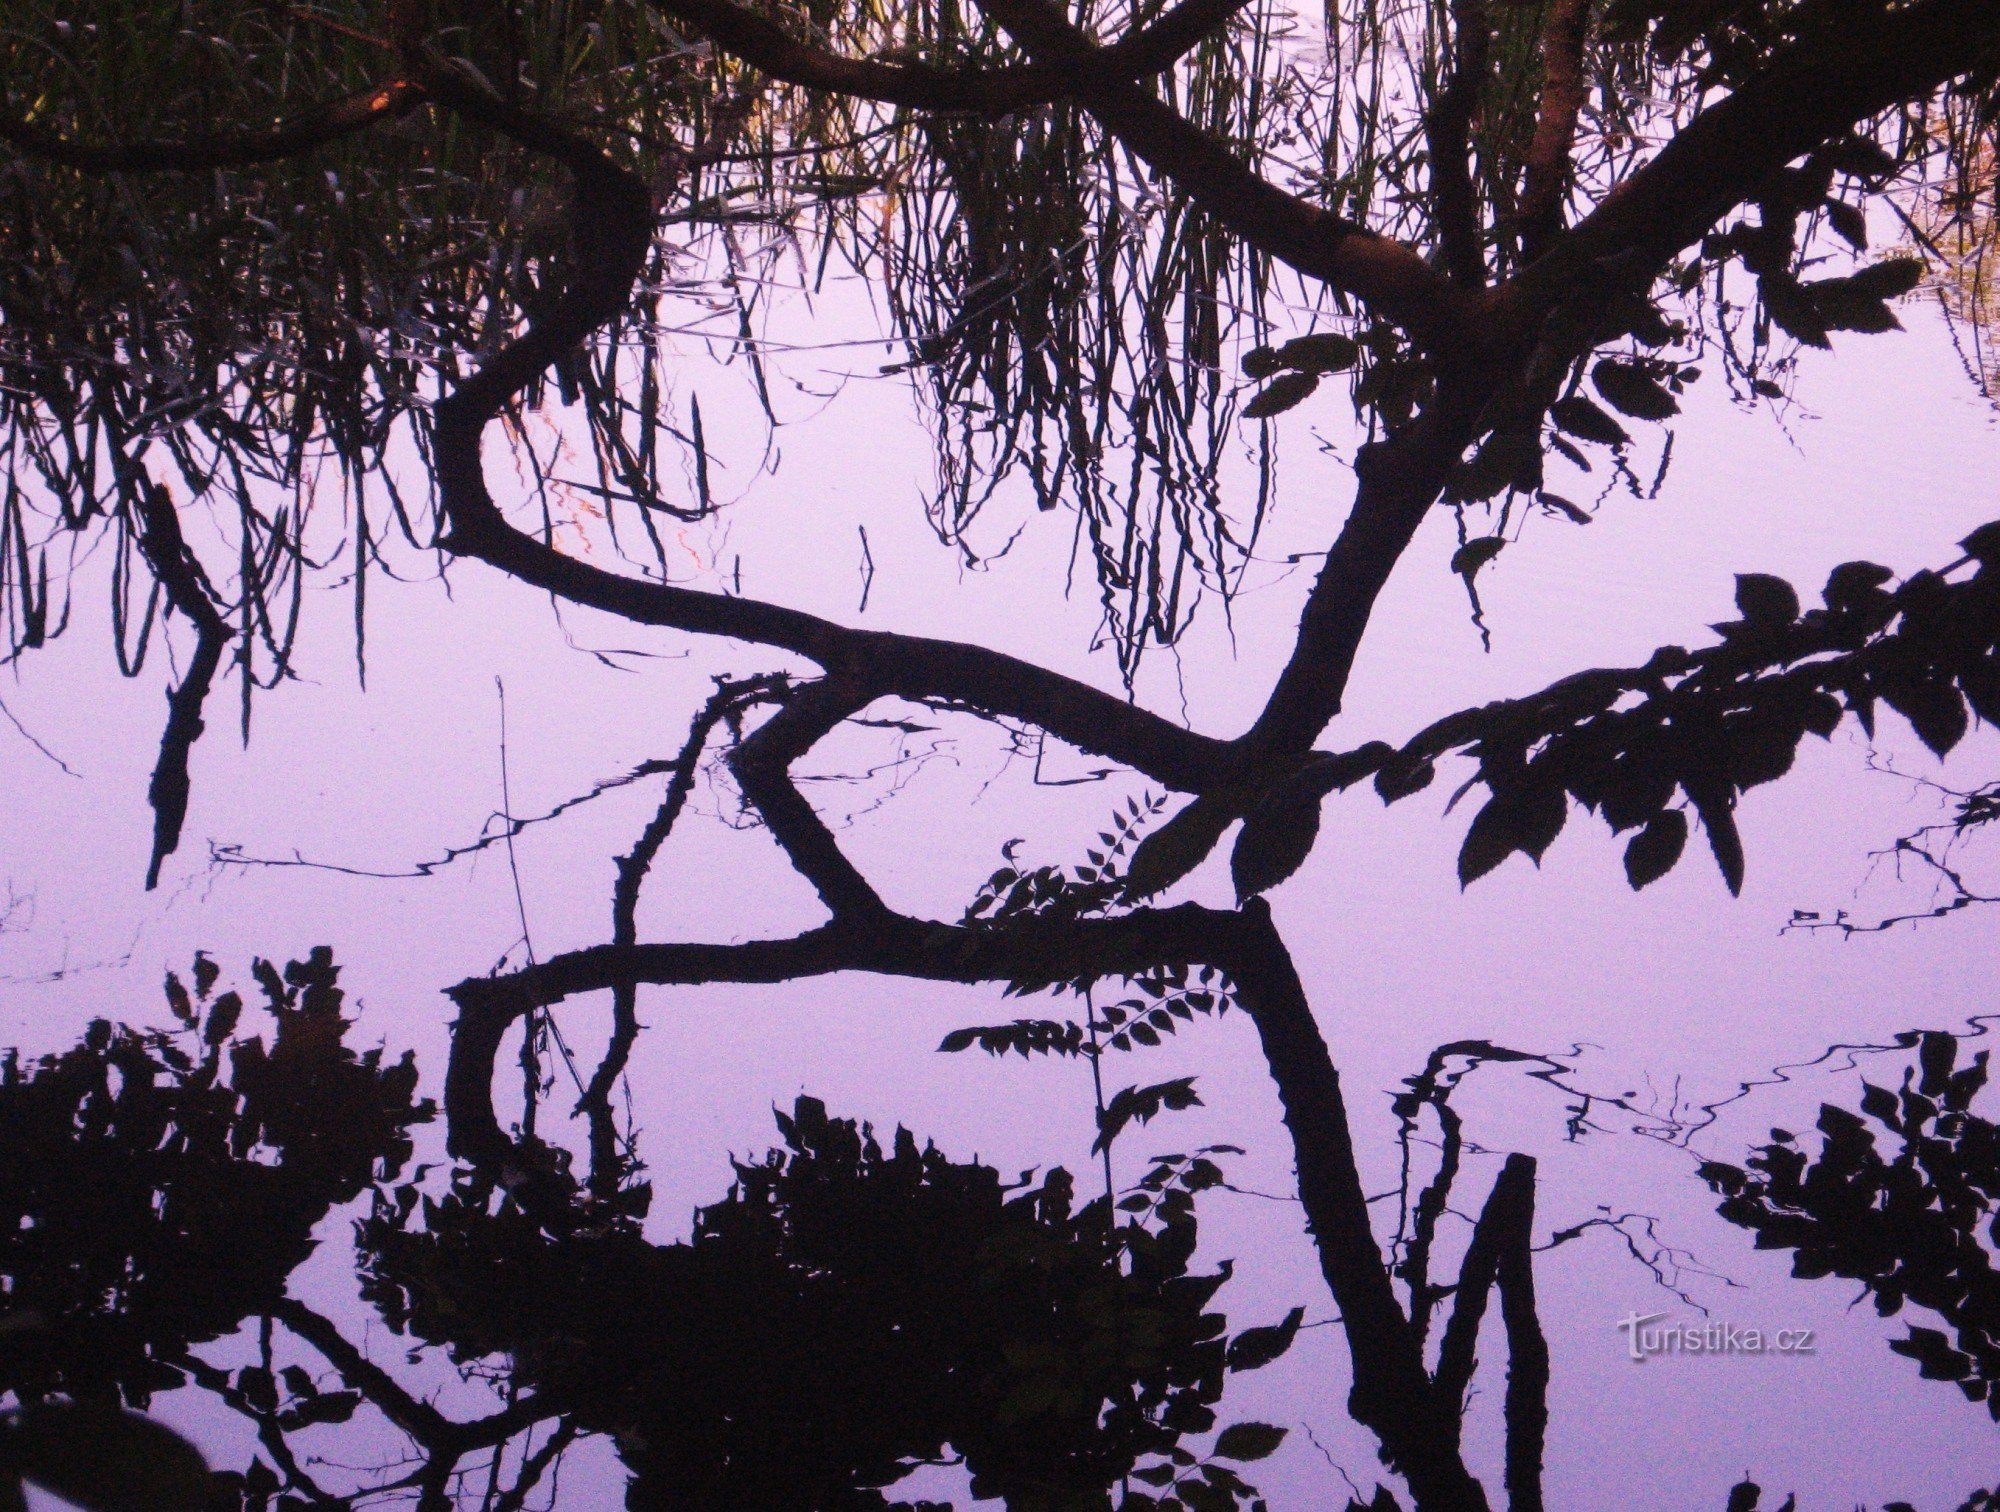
x=1652, y=853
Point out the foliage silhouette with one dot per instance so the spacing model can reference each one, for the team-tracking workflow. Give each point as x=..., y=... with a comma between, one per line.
x=1509, y=233
x=1914, y=1224
x=159, y=1188
x=846, y=1312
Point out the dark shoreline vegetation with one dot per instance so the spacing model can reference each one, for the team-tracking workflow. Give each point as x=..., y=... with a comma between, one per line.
x=850, y=1311
x=256, y=258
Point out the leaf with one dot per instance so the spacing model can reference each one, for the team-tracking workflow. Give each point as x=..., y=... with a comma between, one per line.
x=1935, y=710
x=1024, y=1037
x=1631, y=390
x=1178, y=846
x=1248, y=1441
x=1792, y=310
x=1744, y=1496
x=1509, y=459
x=108, y=1461
x=1199, y=1496
x=1321, y=352
x=1850, y=222
x=1255, y=1348
x=1280, y=394
x=1983, y=545
x=222, y=1018
x=1475, y=554
x=1261, y=362
x=1879, y=1103
x=1398, y=780
x=1852, y=585
x=1582, y=418
x=1891, y=278
x=330, y=1407
x=1653, y=852
x=1845, y=307
x=1525, y=819
x=1765, y=600
x=258, y=1387
x=1718, y=819
x=1556, y=503
x=1278, y=834
x=1143, y=1104
x=178, y=1001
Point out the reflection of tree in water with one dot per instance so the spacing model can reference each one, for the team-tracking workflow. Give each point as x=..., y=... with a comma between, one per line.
x=847, y=1312
x=159, y=1188
x=1914, y=1223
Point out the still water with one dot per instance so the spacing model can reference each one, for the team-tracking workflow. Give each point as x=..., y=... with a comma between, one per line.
x=813, y=1262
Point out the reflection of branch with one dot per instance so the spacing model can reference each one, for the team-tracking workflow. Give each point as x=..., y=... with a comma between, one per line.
x=613, y=225
x=1961, y=897
x=444, y=1440
x=232, y=855
x=214, y=1379
x=922, y=86
x=1501, y=1253
x=187, y=590
x=1447, y=128
x=1546, y=180
x=1526, y=1408
x=1809, y=93
x=1930, y=847
x=728, y=701
x=1384, y=273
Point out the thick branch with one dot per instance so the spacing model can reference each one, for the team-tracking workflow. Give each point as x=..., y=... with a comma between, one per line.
x=1031, y=950
x=1809, y=94
x=613, y=220
x=1526, y=1408
x=922, y=86
x=1546, y=182
x=311, y=128
x=1458, y=1349
x=1397, y=481
x=1383, y=273
x=762, y=764
x=1392, y=1394
x=1448, y=132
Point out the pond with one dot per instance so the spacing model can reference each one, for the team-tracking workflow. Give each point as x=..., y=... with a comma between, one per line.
x=579, y=1057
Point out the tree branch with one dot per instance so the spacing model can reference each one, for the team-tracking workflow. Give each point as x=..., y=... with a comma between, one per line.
x=1397, y=481
x=1526, y=1407
x=762, y=764
x=1546, y=181
x=424, y=1423
x=1447, y=130
x=921, y=86
x=1808, y=94
x=613, y=219
x=1392, y=1395
x=595, y=1104
x=1383, y=273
